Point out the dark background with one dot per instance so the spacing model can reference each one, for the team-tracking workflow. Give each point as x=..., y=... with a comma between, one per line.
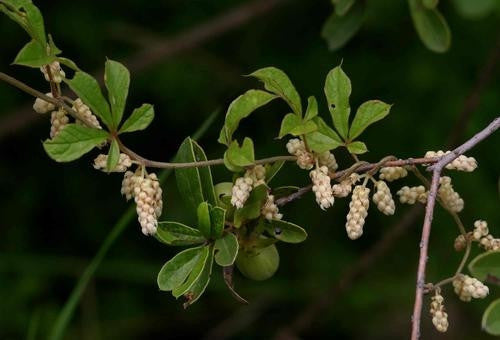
x=54, y=217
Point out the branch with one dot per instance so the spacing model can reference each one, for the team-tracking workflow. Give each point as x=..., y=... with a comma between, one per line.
x=365, y=167
x=165, y=48
x=429, y=211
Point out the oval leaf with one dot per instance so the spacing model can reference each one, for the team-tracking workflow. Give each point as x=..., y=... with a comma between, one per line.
x=277, y=82
x=431, y=27
x=194, y=275
x=226, y=250
x=339, y=29
x=357, y=148
x=491, y=318
x=117, y=80
x=176, y=270
x=286, y=231
x=312, y=108
x=139, y=119
x=195, y=184
x=204, y=224
x=73, y=141
x=33, y=55
x=178, y=234
x=87, y=88
x=337, y=91
x=368, y=113
x=240, y=108
x=319, y=142
x=198, y=287
x=218, y=220
x=485, y=264
x=113, y=155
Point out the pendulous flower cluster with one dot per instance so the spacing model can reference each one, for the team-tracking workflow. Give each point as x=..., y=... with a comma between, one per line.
x=383, y=198
x=305, y=159
x=124, y=162
x=411, y=195
x=358, y=210
x=467, y=287
x=321, y=187
x=243, y=186
x=461, y=163
x=147, y=193
x=439, y=316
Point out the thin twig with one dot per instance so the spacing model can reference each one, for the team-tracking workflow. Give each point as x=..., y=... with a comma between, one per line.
x=429, y=211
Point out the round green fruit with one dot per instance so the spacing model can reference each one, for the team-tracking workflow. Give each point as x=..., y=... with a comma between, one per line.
x=259, y=265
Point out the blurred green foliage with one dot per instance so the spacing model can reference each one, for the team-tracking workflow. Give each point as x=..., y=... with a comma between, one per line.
x=54, y=217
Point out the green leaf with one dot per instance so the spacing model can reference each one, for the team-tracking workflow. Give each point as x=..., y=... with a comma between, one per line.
x=337, y=91
x=286, y=231
x=368, y=113
x=431, y=27
x=218, y=220
x=204, y=224
x=475, y=9
x=491, y=318
x=241, y=156
x=357, y=147
x=339, y=29
x=35, y=23
x=53, y=49
x=200, y=284
x=312, y=108
x=195, y=273
x=342, y=6
x=319, y=142
x=430, y=4
x=484, y=264
x=272, y=170
x=251, y=209
x=117, y=80
x=87, y=88
x=33, y=55
x=139, y=119
x=113, y=155
x=189, y=179
x=68, y=62
x=230, y=166
x=16, y=17
x=241, y=108
x=207, y=184
x=326, y=130
x=226, y=250
x=175, y=272
x=293, y=124
x=277, y=82
x=178, y=234
x=223, y=189
x=73, y=141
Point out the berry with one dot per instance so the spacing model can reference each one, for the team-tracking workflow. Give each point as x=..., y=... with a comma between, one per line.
x=383, y=199
x=393, y=173
x=321, y=187
x=358, y=210
x=42, y=106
